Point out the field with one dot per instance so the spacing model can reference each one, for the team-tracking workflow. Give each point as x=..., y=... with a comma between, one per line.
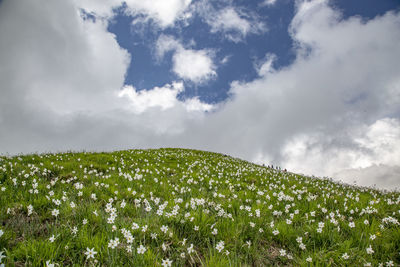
x=178, y=207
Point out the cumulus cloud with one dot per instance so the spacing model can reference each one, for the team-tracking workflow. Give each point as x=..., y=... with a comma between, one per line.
x=163, y=98
x=368, y=145
x=320, y=113
x=163, y=12
x=195, y=104
x=233, y=22
x=196, y=66
x=56, y=60
x=192, y=65
x=61, y=89
x=334, y=111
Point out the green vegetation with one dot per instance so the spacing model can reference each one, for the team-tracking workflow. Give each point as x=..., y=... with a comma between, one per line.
x=177, y=207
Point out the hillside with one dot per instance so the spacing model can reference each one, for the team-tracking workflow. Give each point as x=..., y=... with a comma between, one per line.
x=177, y=207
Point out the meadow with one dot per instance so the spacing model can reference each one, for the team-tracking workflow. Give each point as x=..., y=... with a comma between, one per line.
x=180, y=207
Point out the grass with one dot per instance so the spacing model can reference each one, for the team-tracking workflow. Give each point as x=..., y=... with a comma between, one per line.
x=179, y=207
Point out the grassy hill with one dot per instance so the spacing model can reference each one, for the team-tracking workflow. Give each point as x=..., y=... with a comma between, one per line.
x=177, y=207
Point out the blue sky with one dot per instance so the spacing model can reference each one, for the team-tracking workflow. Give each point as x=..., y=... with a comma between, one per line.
x=145, y=72
x=309, y=85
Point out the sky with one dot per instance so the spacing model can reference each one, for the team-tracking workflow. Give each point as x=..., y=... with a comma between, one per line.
x=311, y=86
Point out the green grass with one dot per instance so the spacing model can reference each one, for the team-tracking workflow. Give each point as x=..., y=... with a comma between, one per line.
x=203, y=198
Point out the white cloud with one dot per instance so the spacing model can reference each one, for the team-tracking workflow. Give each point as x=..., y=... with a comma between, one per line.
x=163, y=97
x=381, y=142
x=225, y=60
x=194, y=104
x=192, y=65
x=266, y=66
x=228, y=19
x=369, y=145
x=164, y=12
x=233, y=22
x=337, y=106
x=166, y=43
x=57, y=59
x=60, y=88
x=269, y=2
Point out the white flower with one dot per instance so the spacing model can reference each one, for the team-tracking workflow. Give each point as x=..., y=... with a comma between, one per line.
x=370, y=250
x=220, y=246
x=372, y=237
x=345, y=256
x=52, y=238
x=49, y=264
x=166, y=263
x=30, y=210
x=309, y=259
x=164, y=229
x=215, y=231
x=141, y=249
x=113, y=243
x=55, y=212
x=135, y=226
x=90, y=253
x=352, y=224
x=190, y=249
x=282, y=252
x=74, y=230
x=276, y=232
x=389, y=263
x=248, y=243
x=129, y=239
x=1, y=232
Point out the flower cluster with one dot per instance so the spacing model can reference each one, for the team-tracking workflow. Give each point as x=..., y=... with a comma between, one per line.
x=187, y=208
